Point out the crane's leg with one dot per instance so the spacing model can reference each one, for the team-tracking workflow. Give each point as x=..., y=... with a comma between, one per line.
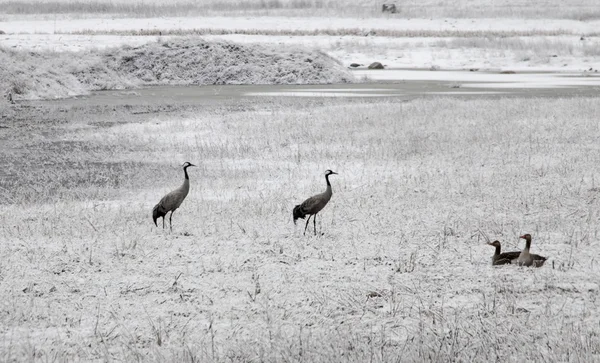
x=163, y=222
x=315, y=224
x=306, y=226
x=171, y=220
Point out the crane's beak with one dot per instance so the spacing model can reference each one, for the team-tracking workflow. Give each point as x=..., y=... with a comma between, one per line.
x=192, y=164
x=333, y=172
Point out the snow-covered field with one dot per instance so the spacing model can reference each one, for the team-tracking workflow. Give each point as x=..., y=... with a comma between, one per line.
x=401, y=272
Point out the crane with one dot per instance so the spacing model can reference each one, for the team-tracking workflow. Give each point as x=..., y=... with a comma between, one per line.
x=314, y=204
x=172, y=201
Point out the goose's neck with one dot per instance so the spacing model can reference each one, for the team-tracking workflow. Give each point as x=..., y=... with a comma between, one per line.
x=498, y=250
x=527, y=244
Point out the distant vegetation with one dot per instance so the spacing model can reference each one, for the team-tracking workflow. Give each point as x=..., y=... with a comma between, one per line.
x=482, y=35
x=555, y=9
x=182, y=62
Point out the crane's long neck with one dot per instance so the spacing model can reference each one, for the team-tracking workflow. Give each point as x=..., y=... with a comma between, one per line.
x=328, y=190
x=186, y=182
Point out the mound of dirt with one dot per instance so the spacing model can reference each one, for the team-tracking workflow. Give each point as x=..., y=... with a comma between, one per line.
x=201, y=62
x=31, y=75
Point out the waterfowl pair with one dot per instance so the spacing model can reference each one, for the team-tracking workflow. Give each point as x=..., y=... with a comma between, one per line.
x=521, y=258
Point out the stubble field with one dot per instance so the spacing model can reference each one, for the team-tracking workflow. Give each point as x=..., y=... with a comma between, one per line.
x=400, y=272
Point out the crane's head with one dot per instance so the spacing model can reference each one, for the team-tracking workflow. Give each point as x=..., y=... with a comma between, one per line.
x=495, y=243
x=526, y=237
x=329, y=172
x=186, y=164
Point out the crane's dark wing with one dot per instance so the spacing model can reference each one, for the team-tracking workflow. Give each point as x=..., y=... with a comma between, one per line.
x=172, y=200
x=314, y=204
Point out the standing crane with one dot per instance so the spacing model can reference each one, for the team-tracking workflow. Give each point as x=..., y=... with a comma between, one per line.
x=314, y=204
x=172, y=201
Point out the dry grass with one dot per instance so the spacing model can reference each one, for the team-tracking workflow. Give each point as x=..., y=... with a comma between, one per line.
x=591, y=49
x=404, y=33
x=573, y=9
x=530, y=49
x=539, y=45
x=400, y=274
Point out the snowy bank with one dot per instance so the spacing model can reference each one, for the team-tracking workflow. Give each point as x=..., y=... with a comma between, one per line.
x=185, y=61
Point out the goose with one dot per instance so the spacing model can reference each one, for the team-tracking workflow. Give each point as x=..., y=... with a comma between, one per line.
x=503, y=258
x=172, y=201
x=314, y=204
x=529, y=259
